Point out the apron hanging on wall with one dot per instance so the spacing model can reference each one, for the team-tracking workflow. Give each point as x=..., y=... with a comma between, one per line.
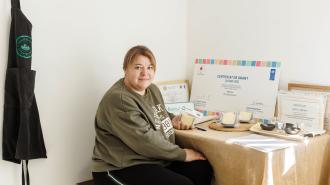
x=22, y=134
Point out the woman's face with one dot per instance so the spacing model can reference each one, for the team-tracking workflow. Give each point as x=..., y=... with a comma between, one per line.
x=139, y=74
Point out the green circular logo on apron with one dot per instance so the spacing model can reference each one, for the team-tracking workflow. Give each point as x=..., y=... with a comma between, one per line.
x=24, y=46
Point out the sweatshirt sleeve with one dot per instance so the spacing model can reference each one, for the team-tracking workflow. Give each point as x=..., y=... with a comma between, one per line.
x=132, y=127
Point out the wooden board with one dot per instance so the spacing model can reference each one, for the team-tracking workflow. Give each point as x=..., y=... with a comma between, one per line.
x=240, y=128
x=278, y=133
x=308, y=87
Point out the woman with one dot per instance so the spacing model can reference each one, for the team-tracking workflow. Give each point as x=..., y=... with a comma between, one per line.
x=134, y=142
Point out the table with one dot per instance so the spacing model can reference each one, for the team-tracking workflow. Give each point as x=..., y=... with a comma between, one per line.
x=307, y=163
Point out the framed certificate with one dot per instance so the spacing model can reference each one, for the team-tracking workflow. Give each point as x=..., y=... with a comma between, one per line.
x=315, y=88
x=302, y=108
x=235, y=85
x=174, y=91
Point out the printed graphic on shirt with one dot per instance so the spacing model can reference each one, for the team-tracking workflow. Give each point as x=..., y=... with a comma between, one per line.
x=167, y=127
x=24, y=46
x=158, y=123
x=162, y=120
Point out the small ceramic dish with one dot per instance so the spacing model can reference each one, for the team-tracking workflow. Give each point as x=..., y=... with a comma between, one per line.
x=267, y=126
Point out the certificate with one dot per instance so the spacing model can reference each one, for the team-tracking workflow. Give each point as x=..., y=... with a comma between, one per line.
x=304, y=109
x=235, y=85
x=174, y=91
x=176, y=108
x=315, y=88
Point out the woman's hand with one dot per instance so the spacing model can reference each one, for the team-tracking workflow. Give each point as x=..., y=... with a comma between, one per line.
x=177, y=123
x=193, y=155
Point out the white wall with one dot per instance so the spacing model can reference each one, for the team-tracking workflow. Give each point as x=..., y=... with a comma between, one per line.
x=295, y=32
x=79, y=45
x=78, y=49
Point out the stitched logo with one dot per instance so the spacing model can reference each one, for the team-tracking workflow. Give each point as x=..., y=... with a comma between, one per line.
x=24, y=46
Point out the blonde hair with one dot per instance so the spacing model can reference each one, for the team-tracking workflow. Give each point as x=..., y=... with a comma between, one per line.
x=136, y=51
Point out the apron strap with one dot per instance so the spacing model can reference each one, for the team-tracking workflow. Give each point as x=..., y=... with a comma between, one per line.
x=15, y=4
x=27, y=173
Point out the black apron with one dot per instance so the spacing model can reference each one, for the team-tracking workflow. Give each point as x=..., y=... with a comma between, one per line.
x=22, y=134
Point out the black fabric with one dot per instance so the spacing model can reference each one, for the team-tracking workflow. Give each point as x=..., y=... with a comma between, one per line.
x=178, y=173
x=200, y=172
x=22, y=134
x=22, y=137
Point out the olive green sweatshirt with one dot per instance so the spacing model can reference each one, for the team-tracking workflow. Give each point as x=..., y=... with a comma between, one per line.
x=133, y=129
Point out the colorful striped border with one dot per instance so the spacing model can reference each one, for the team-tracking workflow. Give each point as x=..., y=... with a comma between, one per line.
x=252, y=63
x=210, y=113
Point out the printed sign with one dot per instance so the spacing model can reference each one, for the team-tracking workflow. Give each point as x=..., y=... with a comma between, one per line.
x=235, y=85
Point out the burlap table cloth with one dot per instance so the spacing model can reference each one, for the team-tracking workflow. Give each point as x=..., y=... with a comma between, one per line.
x=307, y=163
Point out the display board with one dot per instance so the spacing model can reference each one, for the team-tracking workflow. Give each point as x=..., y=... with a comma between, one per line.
x=235, y=85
